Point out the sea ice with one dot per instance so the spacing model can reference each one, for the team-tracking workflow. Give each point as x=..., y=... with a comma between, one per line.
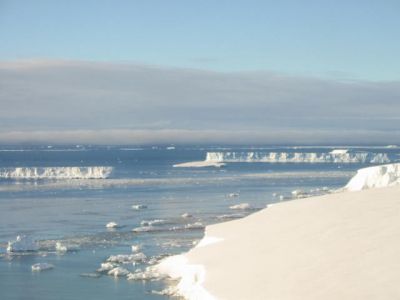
x=127, y=258
x=118, y=272
x=241, y=206
x=139, y=206
x=112, y=225
x=42, y=267
x=136, y=248
x=186, y=215
x=22, y=244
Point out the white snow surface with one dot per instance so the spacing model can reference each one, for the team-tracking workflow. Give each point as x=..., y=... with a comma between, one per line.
x=99, y=172
x=375, y=177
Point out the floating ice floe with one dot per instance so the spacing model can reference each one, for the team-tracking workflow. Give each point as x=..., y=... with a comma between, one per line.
x=127, y=258
x=60, y=247
x=299, y=193
x=145, y=229
x=233, y=195
x=196, y=225
x=118, y=272
x=139, y=206
x=153, y=222
x=136, y=248
x=105, y=267
x=230, y=216
x=186, y=215
x=241, y=206
x=42, y=267
x=112, y=225
x=150, y=273
x=199, y=164
x=90, y=275
x=22, y=244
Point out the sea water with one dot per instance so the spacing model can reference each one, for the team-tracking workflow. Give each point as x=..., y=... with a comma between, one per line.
x=62, y=198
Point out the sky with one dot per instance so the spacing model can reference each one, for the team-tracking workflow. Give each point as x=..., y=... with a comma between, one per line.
x=146, y=72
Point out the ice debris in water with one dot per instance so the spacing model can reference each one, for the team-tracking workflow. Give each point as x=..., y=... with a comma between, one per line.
x=196, y=225
x=144, y=229
x=22, y=244
x=186, y=215
x=90, y=275
x=299, y=193
x=233, y=195
x=105, y=267
x=64, y=248
x=42, y=267
x=152, y=222
x=112, y=225
x=150, y=273
x=230, y=216
x=241, y=206
x=139, y=206
x=127, y=258
x=118, y=272
x=136, y=248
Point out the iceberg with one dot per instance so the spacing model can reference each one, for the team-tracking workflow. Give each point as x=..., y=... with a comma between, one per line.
x=99, y=172
x=335, y=156
x=22, y=244
x=42, y=267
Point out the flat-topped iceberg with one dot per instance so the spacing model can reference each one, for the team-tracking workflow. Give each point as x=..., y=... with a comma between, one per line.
x=22, y=243
x=99, y=172
x=335, y=156
x=375, y=177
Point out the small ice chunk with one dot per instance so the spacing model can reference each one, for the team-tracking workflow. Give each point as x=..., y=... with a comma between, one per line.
x=145, y=229
x=42, y=267
x=126, y=258
x=152, y=222
x=60, y=247
x=22, y=244
x=186, y=215
x=105, y=267
x=233, y=195
x=196, y=225
x=118, y=272
x=136, y=248
x=150, y=273
x=241, y=206
x=112, y=225
x=299, y=193
x=90, y=275
x=139, y=206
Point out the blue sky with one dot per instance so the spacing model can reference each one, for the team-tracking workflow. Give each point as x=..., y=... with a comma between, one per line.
x=255, y=72
x=338, y=39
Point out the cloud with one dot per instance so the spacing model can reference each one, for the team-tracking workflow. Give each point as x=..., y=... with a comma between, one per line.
x=97, y=102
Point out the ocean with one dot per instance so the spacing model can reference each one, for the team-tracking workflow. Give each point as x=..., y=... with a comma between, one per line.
x=59, y=199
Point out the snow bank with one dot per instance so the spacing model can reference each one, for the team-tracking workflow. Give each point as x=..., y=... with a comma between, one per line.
x=375, y=177
x=99, y=172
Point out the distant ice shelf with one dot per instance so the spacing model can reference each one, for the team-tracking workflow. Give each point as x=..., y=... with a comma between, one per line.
x=97, y=172
x=335, y=156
